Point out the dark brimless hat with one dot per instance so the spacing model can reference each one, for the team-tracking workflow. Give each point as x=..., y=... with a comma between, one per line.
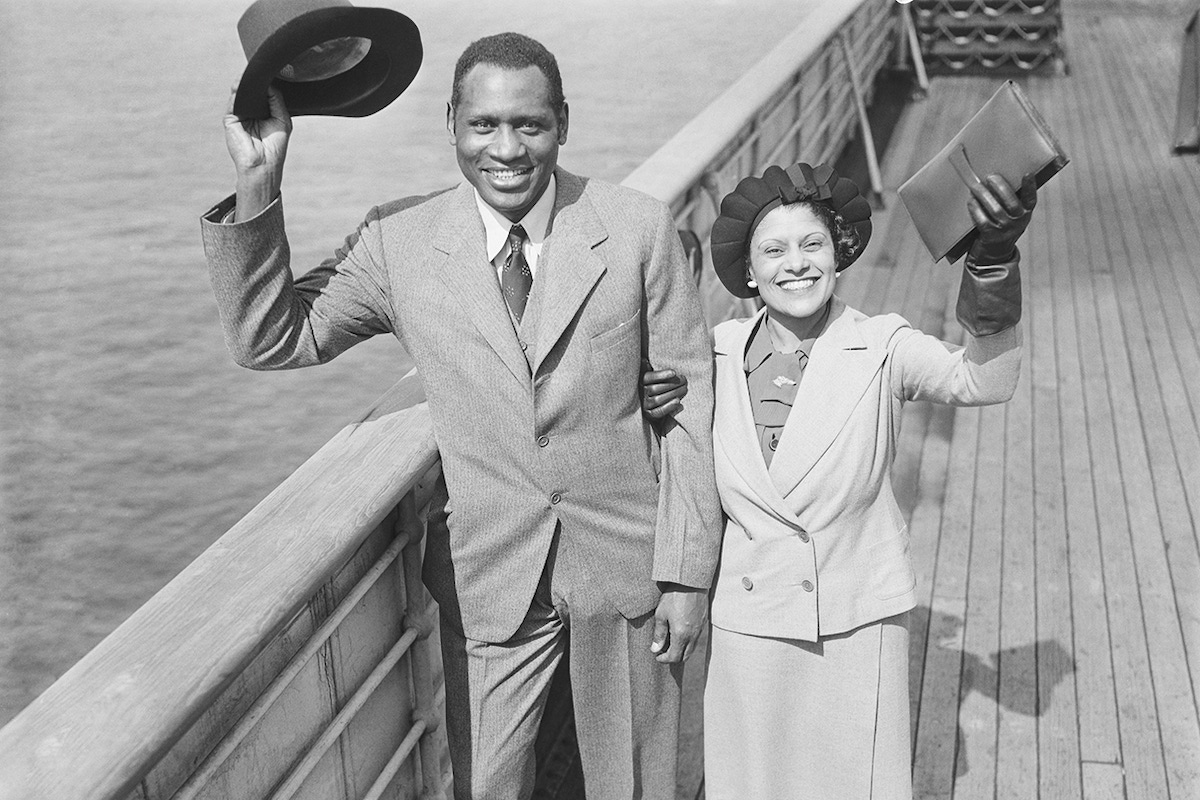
x=325, y=56
x=744, y=207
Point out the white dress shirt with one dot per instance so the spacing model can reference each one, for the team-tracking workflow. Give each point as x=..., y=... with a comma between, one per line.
x=535, y=222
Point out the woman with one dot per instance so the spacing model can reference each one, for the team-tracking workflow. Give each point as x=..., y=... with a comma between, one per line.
x=807, y=692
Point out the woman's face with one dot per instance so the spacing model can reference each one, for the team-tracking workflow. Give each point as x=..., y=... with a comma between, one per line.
x=792, y=260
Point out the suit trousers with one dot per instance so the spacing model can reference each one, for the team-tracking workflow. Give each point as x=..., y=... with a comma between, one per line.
x=626, y=703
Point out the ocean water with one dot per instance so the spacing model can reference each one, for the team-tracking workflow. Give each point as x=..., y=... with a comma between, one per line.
x=129, y=441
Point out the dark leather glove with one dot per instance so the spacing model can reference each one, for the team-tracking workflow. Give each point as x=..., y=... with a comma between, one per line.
x=989, y=297
x=1001, y=216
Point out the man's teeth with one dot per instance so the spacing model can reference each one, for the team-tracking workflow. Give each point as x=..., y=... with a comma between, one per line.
x=506, y=174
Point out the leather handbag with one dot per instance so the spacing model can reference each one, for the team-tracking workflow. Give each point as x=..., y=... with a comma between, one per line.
x=1007, y=137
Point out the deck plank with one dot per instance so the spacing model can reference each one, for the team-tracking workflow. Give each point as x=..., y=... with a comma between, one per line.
x=1150, y=472
x=1059, y=773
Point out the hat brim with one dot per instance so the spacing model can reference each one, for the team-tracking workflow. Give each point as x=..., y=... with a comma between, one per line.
x=370, y=85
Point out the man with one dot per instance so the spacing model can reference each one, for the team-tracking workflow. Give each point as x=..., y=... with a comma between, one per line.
x=564, y=530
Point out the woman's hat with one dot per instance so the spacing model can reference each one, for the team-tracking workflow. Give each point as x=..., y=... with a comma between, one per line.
x=326, y=56
x=744, y=207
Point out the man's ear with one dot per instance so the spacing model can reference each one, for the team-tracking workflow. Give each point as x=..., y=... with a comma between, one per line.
x=563, y=119
x=450, y=123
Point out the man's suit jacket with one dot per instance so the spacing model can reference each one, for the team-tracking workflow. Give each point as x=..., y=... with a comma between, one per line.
x=817, y=545
x=534, y=428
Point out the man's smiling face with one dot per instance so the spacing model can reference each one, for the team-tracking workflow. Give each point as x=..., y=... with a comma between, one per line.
x=507, y=133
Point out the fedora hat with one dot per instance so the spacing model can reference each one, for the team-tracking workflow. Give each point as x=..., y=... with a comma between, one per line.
x=325, y=56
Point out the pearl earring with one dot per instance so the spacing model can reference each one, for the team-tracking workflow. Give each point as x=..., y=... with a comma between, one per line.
x=753, y=284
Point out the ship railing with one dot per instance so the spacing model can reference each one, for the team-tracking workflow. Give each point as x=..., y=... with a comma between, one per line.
x=298, y=656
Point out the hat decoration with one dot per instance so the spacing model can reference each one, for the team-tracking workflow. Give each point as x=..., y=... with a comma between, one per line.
x=744, y=208
x=325, y=56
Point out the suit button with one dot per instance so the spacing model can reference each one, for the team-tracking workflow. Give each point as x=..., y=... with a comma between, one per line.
x=747, y=584
x=807, y=586
x=555, y=498
x=804, y=536
x=543, y=441
x=524, y=346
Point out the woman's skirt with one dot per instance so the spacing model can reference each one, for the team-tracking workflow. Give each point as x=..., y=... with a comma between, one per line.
x=787, y=720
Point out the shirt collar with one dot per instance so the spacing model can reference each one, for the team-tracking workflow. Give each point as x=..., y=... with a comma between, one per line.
x=760, y=347
x=535, y=222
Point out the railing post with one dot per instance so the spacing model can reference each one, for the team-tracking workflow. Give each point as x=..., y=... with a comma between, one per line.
x=914, y=47
x=860, y=100
x=422, y=617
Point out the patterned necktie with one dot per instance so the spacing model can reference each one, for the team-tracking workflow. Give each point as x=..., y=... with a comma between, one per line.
x=515, y=276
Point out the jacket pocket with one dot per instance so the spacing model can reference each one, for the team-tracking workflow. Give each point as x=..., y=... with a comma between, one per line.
x=616, y=335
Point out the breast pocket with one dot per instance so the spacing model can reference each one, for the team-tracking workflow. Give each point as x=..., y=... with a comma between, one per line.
x=617, y=336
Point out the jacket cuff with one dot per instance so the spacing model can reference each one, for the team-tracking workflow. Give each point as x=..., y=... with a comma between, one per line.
x=222, y=213
x=989, y=297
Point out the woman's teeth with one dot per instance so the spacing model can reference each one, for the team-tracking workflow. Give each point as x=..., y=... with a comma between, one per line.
x=797, y=284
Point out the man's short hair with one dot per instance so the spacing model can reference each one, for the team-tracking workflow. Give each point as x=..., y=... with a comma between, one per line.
x=510, y=51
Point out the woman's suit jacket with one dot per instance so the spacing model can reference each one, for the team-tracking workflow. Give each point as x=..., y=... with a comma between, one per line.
x=817, y=545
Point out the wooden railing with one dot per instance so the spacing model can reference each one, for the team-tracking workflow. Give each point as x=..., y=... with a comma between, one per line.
x=295, y=658
x=298, y=657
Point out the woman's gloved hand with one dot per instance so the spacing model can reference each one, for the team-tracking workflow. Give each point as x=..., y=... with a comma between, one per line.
x=1001, y=216
x=989, y=298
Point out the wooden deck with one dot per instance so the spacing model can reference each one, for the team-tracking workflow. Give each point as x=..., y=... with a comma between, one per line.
x=1057, y=640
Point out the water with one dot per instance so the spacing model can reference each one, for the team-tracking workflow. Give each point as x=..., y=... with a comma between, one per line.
x=128, y=439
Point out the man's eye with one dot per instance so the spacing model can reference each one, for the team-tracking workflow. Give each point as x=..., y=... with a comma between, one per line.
x=530, y=127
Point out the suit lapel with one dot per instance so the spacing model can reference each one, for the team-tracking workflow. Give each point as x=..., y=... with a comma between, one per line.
x=568, y=267
x=840, y=369
x=468, y=275
x=734, y=426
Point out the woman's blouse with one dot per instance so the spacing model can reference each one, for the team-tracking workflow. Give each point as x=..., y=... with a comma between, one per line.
x=773, y=379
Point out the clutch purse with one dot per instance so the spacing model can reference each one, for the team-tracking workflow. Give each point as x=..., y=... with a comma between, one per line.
x=1006, y=137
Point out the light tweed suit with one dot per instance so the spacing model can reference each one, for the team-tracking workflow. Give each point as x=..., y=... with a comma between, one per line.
x=545, y=451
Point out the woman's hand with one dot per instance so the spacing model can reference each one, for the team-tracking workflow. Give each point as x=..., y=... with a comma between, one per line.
x=1001, y=216
x=662, y=391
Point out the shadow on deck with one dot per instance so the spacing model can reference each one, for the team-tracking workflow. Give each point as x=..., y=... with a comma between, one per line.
x=1057, y=640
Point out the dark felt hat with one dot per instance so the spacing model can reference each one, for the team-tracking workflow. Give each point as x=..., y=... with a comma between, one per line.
x=326, y=56
x=744, y=207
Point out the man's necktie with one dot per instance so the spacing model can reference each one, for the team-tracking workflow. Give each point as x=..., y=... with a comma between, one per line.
x=515, y=277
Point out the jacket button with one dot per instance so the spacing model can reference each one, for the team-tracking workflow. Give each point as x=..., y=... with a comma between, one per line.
x=807, y=586
x=554, y=498
x=747, y=584
x=804, y=536
x=543, y=441
x=524, y=346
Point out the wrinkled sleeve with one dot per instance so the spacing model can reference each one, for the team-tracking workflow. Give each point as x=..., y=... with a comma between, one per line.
x=687, y=532
x=272, y=321
x=982, y=372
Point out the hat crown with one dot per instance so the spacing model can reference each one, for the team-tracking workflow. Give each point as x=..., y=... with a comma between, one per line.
x=265, y=17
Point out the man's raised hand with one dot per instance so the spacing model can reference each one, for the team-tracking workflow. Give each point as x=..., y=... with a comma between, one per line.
x=258, y=148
